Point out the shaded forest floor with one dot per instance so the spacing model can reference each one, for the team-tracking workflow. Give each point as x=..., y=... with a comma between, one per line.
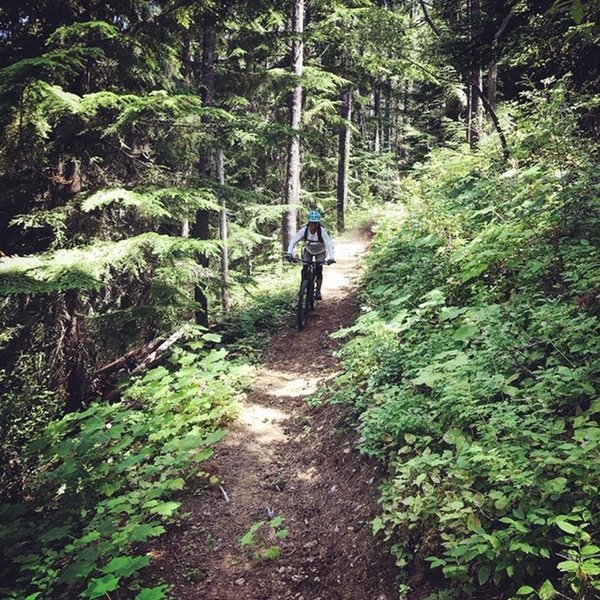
x=284, y=458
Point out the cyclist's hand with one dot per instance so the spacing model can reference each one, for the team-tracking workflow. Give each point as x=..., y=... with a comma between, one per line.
x=289, y=257
x=330, y=261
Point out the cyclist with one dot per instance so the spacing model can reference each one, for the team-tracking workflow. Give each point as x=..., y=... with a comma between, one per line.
x=317, y=246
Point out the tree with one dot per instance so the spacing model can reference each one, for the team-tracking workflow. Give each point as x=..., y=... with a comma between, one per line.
x=292, y=183
x=343, y=158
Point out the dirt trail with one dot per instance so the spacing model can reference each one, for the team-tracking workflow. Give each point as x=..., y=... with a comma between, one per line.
x=284, y=458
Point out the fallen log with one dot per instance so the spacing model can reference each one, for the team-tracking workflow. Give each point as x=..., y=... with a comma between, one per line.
x=106, y=379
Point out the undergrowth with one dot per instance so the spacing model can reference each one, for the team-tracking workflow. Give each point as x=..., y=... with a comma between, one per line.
x=261, y=308
x=105, y=481
x=475, y=366
x=101, y=484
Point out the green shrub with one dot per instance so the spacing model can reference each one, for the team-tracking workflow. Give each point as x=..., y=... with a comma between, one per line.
x=106, y=479
x=476, y=367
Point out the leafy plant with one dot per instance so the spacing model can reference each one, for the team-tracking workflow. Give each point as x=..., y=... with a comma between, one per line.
x=474, y=366
x=106, y=480
x=259, y=540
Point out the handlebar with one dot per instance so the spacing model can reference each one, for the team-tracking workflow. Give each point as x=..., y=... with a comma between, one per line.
x=310, y=262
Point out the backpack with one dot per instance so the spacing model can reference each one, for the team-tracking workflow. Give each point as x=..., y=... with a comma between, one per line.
x=318, y=233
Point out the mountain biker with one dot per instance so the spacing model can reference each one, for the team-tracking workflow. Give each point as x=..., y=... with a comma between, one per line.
x=317, y=246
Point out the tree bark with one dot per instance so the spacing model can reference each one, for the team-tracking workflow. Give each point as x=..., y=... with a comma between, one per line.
x=387, y=121
x=474, y=81
x=343, y=159
x=220, y=171
x=292, y=187
x=73, y=352
x=377, y=117
x=200, y=229
x=492, y=83
x=474, y=124
x=492, y=114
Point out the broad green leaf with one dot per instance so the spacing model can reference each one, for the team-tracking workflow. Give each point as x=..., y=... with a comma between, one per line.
x=100, y=587
x=140, y=533
x=248, y=537
x=465, y=332
x=80, y=569
x=547, y=591
x=166, y=509
x=155, y=593
x=277, y=521
x=426, y=377
x=565, y=525
x=125, y=566
x=92, y=536
x=483, y=573
x=212, y=337
x=155, y=374
x=214, y=437
x=175, y=484
x=570, y=566
x=203, y=455
x=377, y=524
x=192, y=440
x=271, y=553
x=524, y=590
x=501, y=502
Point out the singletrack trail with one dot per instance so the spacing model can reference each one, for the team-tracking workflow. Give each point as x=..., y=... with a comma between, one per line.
x=285, y=458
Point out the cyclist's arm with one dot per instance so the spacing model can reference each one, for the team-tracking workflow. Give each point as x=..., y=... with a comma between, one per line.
x=294, y=241
x=328, y=243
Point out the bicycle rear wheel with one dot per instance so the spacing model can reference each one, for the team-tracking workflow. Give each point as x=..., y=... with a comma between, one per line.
x=303, y=306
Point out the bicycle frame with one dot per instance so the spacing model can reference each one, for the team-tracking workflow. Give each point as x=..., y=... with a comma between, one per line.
x=307, y=292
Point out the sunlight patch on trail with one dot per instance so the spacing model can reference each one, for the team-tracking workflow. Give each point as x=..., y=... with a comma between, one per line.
x=310, y=474
x=263, y=422
x=343, y=274
x=286, y=384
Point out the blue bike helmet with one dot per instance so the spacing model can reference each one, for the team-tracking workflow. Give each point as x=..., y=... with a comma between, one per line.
x=314, y=216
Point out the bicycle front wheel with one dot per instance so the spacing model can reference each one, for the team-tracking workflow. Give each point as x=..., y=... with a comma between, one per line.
x=302, y=308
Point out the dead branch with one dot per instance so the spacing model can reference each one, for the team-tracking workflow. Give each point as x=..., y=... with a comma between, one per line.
x=136, y=361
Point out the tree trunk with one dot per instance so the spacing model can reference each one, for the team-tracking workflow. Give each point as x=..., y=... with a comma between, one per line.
x=377, y=117
x=474, y=81
x=292, y=188
x=492, y=114
x=200, y=229
x=73, y=352
x=343, y=159
x=387, y=122
x=492, y=83
x=220, y=171
x=474, y=124
x=209, y=44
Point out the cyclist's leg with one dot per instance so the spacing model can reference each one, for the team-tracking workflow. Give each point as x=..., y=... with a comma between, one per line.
x=319, y=258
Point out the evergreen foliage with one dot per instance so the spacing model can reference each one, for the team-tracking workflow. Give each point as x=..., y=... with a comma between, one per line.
x=475, y=368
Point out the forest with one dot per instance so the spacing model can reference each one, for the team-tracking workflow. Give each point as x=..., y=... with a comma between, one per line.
x=156, y=159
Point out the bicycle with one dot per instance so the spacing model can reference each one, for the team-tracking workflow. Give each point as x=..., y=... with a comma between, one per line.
x=307, y=301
